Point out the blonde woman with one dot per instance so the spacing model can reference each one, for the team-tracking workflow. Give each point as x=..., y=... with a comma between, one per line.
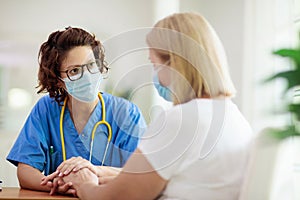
x=199, y=148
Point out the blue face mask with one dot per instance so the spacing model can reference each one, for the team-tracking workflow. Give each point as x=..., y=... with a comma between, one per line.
x=163, y=91
x=86, y=88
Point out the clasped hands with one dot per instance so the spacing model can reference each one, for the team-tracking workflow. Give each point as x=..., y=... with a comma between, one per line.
x=73, y=172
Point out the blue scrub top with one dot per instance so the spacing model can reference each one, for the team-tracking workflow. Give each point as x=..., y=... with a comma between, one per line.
x=41, y=131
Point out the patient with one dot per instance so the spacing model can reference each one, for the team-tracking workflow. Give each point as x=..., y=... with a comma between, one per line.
x=199, y=148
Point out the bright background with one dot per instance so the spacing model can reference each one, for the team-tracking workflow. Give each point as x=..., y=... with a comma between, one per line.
x=249, y=29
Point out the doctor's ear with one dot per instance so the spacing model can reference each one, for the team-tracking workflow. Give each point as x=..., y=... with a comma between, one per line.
x=60, y=83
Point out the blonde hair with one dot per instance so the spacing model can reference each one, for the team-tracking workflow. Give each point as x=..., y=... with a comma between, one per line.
x=195, y=55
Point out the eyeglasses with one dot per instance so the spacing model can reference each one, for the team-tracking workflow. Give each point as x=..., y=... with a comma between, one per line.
x=76, y=71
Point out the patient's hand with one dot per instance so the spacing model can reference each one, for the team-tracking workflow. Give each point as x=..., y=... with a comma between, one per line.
x=72, y=164
x=82, y=176
x=75, y=164
x=106, y=174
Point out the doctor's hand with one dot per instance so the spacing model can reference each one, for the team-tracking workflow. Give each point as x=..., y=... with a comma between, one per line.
x=48, y=180
x=57, y=185
x=61, y=187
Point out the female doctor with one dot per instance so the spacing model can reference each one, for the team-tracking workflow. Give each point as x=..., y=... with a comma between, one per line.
x=74, y=119
x=199, y=148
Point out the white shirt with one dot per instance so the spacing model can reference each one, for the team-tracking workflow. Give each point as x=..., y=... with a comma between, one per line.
x=201, y=148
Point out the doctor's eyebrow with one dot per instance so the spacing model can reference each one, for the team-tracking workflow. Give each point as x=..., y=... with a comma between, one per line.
x=79, y=65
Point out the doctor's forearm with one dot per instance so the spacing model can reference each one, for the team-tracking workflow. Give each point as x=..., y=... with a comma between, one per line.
x=30, y=178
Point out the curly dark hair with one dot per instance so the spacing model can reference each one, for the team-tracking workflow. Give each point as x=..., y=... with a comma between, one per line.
x=54, y=51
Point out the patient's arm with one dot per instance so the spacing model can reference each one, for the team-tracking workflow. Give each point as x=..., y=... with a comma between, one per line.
x=138, y=180
x=30, y=178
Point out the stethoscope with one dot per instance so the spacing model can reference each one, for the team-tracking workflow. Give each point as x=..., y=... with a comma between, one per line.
x=103, y=121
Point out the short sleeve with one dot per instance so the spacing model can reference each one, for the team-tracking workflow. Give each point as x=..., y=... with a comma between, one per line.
x=30, y=146
x=129, y=125
x=129, y=118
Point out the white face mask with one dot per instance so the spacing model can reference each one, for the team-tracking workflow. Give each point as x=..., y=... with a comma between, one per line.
x=86, y=88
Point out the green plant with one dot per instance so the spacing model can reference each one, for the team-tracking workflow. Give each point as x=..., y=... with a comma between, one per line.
x=292, y=77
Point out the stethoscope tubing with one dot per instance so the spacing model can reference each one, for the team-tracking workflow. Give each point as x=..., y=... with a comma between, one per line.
x=103, y=121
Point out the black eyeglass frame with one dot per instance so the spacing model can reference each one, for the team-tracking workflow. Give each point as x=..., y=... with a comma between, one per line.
x=102, y=69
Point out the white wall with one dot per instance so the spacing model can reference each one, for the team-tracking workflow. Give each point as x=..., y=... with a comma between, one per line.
x=268, y=27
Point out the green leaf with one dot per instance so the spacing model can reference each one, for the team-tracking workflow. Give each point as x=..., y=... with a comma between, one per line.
x=283, y=133
x=295, y=108
x=292, y=77
x=294, y=54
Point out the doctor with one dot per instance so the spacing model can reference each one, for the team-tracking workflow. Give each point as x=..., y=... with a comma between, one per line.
x=74, y=119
